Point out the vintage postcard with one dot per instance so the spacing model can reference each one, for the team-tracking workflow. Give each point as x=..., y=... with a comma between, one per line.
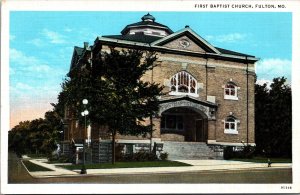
x=173, y=96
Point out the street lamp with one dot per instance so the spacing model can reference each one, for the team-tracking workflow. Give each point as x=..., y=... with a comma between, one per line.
x=84, y=113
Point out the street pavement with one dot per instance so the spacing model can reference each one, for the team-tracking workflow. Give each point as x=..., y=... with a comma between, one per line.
x=198, y=165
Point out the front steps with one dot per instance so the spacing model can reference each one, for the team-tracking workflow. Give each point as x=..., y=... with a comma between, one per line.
x=191, y=151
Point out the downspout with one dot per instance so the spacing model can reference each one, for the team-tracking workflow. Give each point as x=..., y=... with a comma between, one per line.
x=151, y=120
x=205, y=124
x=206, y=72
x=247, y=72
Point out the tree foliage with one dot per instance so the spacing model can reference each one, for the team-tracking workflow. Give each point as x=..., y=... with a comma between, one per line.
x=118, y=97
x=273, y=118
x=39, y=136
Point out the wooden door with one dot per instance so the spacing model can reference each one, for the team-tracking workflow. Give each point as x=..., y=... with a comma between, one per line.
x=200, y=134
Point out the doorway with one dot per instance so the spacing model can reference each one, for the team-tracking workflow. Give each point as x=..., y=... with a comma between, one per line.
x=200, y=133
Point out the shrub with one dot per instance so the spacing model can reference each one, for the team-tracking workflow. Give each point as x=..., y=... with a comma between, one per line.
x=246, y=152
x=139, y=156
x=228, y=152
x=163, y=156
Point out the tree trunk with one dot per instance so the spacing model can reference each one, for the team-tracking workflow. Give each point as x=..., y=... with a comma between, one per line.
x=113, y=147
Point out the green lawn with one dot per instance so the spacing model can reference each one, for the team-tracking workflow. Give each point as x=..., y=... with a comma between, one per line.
x=34, y=167
x=127, y=165
x=264, y=160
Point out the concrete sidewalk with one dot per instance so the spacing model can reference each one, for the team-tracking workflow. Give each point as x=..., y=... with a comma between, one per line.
x=198, y=165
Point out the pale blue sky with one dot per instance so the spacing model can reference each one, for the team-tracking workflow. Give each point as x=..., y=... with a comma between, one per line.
x=41, y=45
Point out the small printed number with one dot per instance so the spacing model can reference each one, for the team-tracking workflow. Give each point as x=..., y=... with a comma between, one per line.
x=286, y=187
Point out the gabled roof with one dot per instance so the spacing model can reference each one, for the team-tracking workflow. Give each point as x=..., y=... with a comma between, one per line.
x=77, y=53
x=141, y=37
x=192, y=35
x=229, y=52
x=78, y=50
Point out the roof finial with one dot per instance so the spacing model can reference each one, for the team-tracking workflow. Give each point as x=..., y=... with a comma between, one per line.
x=148, y=17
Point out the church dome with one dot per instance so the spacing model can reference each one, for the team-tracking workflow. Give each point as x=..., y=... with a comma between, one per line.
x=148, y=17
x=147, y=26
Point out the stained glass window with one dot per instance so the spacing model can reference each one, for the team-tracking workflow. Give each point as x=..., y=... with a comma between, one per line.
x=183, y=82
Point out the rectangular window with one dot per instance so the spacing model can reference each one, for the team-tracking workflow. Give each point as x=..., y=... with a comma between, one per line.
x=230, y=92
x=171, y=122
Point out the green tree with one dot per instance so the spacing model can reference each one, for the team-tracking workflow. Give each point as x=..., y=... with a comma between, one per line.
x=273, y=118
x=132, y=100
x=118, y=98
x=39, y=136
x=17, y=138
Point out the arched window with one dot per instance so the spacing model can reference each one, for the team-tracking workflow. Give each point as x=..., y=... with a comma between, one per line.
x=230, y=125
x=230, y=91
x=183, y=83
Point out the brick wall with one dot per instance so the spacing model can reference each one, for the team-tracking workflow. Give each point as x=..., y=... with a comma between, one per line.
x=218, y=72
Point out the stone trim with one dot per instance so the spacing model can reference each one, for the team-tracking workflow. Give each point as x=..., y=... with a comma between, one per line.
x=132, y=141
x=211, y=65
x=184, y=103
x=183, y=31
x=214, y=142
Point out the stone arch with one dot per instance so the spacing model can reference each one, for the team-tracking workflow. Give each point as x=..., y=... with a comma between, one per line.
x=203, y=110
x=183, y=123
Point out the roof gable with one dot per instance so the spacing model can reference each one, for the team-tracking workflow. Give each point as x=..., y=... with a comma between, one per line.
x=186, y=39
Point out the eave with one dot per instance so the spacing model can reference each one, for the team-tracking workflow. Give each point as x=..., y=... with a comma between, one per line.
x=150, y=47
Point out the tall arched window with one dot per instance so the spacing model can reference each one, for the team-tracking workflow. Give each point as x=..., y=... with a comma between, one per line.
x=183, y=83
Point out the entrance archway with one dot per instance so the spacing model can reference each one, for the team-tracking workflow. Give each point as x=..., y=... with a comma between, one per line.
x=184, y=123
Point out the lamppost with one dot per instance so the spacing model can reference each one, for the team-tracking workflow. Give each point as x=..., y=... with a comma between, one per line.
x=84, y=113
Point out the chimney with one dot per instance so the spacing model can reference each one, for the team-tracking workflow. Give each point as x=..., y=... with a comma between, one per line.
x=85, y=45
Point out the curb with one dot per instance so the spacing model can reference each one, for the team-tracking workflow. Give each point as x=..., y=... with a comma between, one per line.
x=160, y=172
x=26, y=169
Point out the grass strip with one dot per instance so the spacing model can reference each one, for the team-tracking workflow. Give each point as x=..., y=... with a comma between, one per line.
x=264, y=160
x=36, y=155
x=127, y=165
x=34, y=167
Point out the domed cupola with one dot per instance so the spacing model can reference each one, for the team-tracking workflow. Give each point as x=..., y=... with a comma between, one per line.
x=147, y=26
x=148, y=17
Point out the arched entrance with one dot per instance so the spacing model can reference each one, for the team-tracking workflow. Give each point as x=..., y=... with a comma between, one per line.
x=184, y=124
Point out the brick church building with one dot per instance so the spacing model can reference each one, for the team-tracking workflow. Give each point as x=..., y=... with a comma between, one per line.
x=209, y=101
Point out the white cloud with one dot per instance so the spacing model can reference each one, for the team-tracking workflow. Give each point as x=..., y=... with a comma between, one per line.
x=40, y=68
x=23, y=86
x=263, y=81
x=37, y=42
x=227, y=38
x=54, y=37
x=87, y=33
x=24, y=64
x=273, y=67
x=22, y=59
x=68, y=29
